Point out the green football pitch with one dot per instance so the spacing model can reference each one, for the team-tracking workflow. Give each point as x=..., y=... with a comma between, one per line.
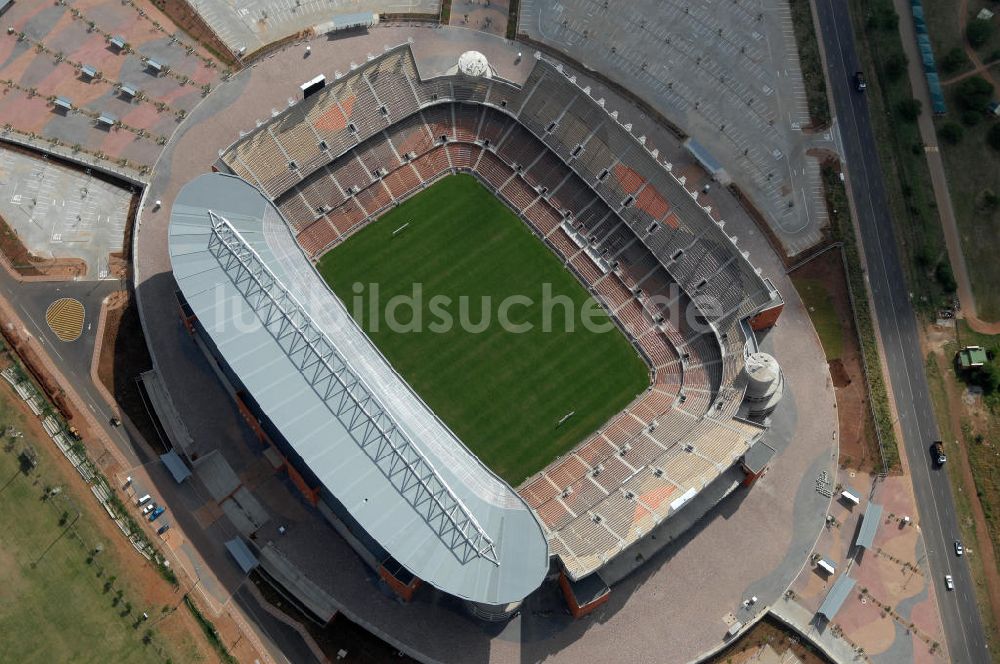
x=503, y=389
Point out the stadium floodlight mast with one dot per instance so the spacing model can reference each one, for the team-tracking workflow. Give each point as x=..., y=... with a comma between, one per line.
x=358, y=409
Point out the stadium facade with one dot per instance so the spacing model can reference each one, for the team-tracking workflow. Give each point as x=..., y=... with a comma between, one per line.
x=361, y=445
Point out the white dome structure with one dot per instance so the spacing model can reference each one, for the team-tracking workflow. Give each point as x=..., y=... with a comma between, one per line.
x=474, y=63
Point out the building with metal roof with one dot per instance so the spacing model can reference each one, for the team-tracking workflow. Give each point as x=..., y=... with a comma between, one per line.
x=337, y=409
x=869, y=526
x=971, y=357
x=242, y=554
x=835, y=598
x=176, y=466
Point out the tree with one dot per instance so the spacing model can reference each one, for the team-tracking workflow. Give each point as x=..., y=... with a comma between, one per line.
x=894, y=65
x=987, y=377
x=953, y=60
x=908, y=110
x=978, y=32
x=951, y=132
x=987, y=201
x=993, y=137
x=974, y=93
x=883, y=17
x=944, y=276
x=971, y=118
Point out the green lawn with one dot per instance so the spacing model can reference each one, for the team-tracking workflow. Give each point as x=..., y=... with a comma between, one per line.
x=52, y=605
x=819, y=304
x=904, y=164
x=972, y=167
x=978, y=223
x=502, y=392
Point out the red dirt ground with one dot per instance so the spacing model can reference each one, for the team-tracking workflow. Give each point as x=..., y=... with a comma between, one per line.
x=749, y=646
x=858, y=448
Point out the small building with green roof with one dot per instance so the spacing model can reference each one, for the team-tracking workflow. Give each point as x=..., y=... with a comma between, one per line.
x=971, y=357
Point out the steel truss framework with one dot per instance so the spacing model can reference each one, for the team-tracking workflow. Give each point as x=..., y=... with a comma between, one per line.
x=347, y=397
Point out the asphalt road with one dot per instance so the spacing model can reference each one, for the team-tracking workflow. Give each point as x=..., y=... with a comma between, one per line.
x=898, y=330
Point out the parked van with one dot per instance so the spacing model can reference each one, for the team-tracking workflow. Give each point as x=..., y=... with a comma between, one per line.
x=145, y=499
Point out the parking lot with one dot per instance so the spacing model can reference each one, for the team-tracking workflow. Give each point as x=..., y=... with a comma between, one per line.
x=726, y=72
x=58, y=212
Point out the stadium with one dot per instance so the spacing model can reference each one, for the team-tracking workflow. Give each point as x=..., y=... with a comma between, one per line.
x=252, y=247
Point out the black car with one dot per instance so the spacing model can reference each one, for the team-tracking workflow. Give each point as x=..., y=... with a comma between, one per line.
x=859, y=81
x=937, y=453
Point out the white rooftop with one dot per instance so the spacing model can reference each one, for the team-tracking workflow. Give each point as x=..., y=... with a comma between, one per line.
x=371, y=441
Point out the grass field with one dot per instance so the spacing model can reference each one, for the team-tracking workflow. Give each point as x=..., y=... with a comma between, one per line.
x=503, y=393
x=54, y=602
x=819, y=303
x=904, y=164
x=967, y=186
x=978, y=224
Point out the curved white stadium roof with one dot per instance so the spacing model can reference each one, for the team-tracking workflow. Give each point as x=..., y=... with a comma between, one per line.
x=399, y=471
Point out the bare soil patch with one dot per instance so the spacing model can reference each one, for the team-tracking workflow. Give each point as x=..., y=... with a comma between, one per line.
x=841, y=377
x=858, y=446
x=768, y=634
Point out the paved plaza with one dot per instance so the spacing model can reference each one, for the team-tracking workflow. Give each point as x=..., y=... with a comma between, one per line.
x=50, y=51
x=892, y=612
x=726, y=72
x=59, y=212
x=489, y=16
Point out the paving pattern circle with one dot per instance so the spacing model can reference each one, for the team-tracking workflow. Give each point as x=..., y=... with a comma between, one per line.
x=65, y=318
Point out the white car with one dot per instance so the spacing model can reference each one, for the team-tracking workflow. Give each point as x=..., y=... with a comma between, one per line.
x=149, y=508
x=948, y=582
x=958, y=548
